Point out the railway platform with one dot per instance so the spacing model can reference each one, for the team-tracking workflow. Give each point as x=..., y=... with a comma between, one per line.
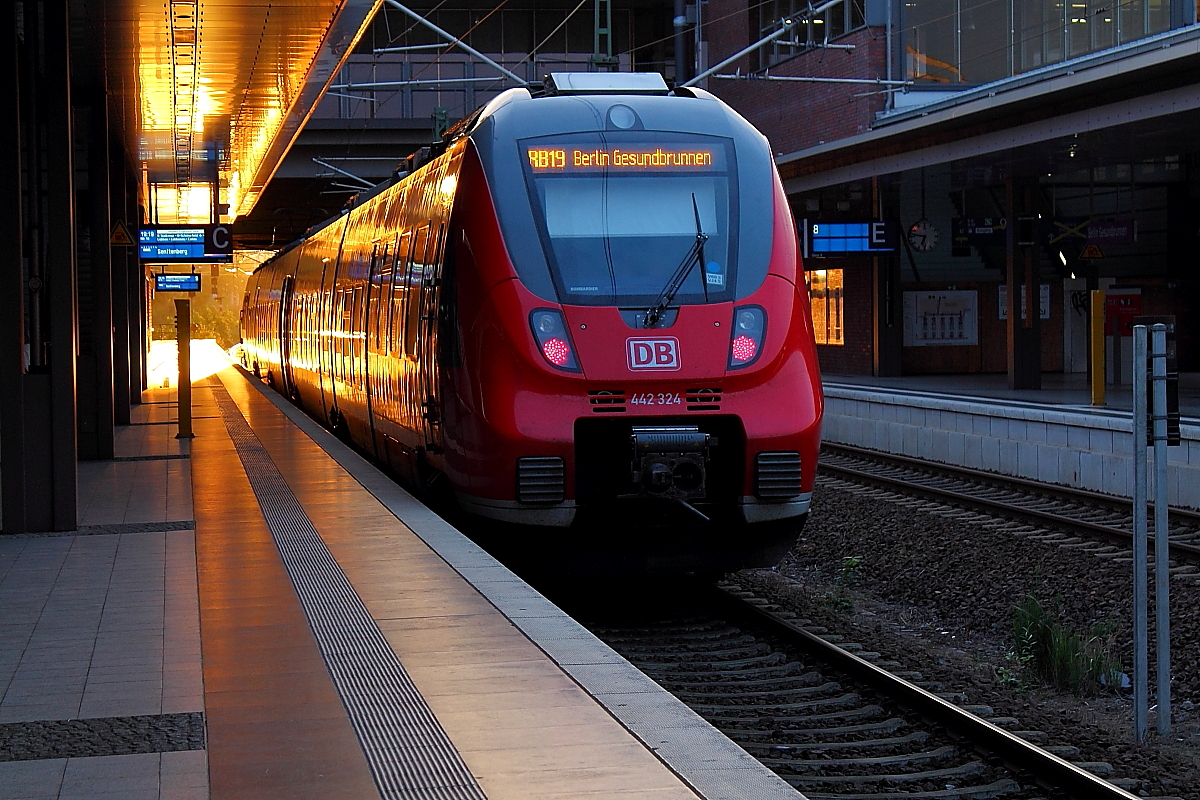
x=259, y=613
x=1050, y=435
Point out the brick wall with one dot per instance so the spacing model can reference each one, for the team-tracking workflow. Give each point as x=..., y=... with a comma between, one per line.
x=794, y=116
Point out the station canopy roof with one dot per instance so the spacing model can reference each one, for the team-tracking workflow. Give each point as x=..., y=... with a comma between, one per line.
x=214, y=92
x=1127, y=104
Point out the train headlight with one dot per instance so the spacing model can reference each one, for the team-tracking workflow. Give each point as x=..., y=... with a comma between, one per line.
x=745, y=345
x=550, y=332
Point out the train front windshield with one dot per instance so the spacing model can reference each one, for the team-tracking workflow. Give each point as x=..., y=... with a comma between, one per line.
x=618, y=215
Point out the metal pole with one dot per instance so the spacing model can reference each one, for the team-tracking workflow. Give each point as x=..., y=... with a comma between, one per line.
x=679, y=21
x=183, y=338
x=405, y=84
x=1097, y=341
x=787, y=25
x=1162, y=591
x=891, y=99
x=455, y=40
x=1141, y=689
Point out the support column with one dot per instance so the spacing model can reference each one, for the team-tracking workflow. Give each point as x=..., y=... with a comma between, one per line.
x=12, y=289
x=888, y=324
x=134, y=284
x=889, y=317
x=60, y=228
x=39, y=319
x=1023, y=334
x=95, y=374
x=143, y=344
x=120, y=285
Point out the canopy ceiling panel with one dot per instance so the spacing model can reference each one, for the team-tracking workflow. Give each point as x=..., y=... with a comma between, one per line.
x=223, y=88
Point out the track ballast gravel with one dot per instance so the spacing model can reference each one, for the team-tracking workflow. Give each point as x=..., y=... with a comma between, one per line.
x=946, y=581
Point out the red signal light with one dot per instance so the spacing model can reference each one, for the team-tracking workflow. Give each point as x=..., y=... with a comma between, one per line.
x=557, y=352
x=743, y=349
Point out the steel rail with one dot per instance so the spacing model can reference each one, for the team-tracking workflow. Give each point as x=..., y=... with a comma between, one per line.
x=1016, y=752
x=1178, y=550
x=1065, y=492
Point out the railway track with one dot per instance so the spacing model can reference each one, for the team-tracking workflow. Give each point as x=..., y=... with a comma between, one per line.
x=835, y=722
x=1076, y=510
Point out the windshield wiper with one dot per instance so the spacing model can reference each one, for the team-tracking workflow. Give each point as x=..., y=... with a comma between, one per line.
x=695, y=254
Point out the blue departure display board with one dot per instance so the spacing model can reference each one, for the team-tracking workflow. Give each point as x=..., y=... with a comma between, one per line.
x=850, y=237
x=176, y=283
x=187, y=244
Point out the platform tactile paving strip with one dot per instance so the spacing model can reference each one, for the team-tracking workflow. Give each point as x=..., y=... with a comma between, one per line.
x=409, y=753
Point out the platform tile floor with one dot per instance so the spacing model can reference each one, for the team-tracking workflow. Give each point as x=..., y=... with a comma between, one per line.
x=103, y=625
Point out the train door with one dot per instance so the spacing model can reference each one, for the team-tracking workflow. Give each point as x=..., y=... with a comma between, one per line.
x=411, y=382
x=378, y=290
x=286, y=337
x=427, y=318
x=257, y=334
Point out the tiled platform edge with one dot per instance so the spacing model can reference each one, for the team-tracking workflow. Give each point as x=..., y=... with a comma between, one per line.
x=1077, y=446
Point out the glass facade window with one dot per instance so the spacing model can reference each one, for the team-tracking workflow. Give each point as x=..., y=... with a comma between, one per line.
x=830, y=24
x=978, y=41
x=825, y=296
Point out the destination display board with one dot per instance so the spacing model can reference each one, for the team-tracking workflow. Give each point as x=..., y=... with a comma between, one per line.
x=850, y=237
x=633, y=157
x=186, y=244
x=166, y=282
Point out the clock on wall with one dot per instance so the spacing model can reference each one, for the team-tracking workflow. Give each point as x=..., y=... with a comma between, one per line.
x=923, y=236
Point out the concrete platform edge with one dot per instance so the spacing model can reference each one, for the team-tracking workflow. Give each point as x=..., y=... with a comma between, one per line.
x=1077, y=446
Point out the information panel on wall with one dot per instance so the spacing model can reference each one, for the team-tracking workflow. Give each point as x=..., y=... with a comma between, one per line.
x=186, y=244
x=941, y=318
x=850, y=237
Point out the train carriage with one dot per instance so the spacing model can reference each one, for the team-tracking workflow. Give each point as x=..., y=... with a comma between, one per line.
x=587, y=308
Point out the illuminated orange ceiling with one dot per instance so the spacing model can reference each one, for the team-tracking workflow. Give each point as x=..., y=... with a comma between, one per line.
x=224, y=87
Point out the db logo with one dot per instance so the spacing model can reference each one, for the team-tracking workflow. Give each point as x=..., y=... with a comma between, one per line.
x=653, y=353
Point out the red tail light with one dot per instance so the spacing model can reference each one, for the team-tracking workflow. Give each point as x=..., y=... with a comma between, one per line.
x=749, y=327
x=550, y=332
x=743, y=349
x=557, y=352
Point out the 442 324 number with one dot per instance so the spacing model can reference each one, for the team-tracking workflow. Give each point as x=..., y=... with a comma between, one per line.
x=655, y=399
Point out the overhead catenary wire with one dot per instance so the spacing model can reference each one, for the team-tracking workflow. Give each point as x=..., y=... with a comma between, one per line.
x=786, y=26
x=458, y=41
x=365, y=183
x=807, y=79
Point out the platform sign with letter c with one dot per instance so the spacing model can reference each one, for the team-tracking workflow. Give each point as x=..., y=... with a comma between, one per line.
x=186, y=244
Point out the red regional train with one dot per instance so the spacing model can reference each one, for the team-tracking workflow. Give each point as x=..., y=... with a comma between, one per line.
x=585, y=310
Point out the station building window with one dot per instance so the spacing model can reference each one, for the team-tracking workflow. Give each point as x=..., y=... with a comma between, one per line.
x=829, y=24
x=977, y=41
x=825, y=294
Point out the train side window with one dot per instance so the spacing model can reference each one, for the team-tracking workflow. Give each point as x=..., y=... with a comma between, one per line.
x=355, y=315
x=399, y=292
x=380, y=288
x=413, y=275
x=343, y=329
x=358, y=336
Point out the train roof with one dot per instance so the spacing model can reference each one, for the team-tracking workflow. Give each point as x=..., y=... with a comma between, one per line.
x=566, y=102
